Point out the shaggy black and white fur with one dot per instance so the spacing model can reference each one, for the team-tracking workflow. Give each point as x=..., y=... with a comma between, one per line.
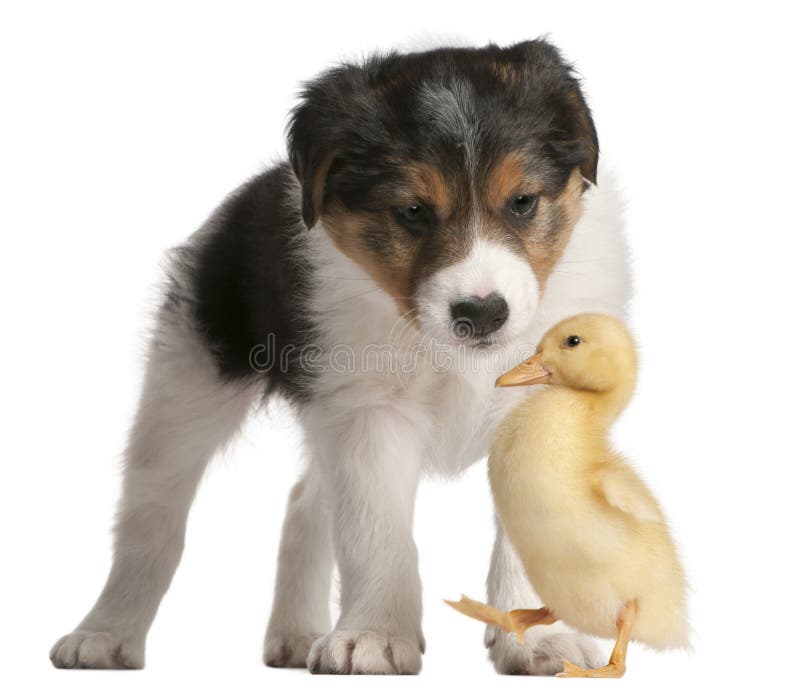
x=291, y=289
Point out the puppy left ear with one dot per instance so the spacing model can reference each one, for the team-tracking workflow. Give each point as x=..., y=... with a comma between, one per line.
x=574, y=143
x=582, y=149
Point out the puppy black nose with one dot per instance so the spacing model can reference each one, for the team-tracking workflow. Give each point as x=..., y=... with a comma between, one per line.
x=477, y=317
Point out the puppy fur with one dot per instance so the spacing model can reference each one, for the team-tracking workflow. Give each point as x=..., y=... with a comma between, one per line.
x=415, y=181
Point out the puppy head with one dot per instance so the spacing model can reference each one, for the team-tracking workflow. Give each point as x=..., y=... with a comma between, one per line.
x=453, y=177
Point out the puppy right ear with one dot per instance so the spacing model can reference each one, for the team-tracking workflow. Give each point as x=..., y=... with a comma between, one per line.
x=312, y=150
x=311, y=169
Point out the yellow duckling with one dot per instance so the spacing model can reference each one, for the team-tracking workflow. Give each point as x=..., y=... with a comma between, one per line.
x=590, y=534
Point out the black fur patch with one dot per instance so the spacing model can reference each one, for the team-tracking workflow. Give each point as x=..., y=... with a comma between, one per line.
x=249, y=286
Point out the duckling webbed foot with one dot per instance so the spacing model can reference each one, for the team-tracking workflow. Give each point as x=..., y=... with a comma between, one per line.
x=610, y=670
x=523, y=618
x=511, y=622
x=616, y=664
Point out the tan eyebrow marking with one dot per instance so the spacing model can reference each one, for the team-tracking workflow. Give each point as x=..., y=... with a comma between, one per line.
x=428, y=184
x=507, y=177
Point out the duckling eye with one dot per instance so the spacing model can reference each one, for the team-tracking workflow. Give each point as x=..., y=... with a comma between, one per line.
x=572, y=341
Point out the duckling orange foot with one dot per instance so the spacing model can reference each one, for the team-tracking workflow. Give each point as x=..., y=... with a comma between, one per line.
x=616, y=664
x=610, y=670
x=521, y=619
x=511, y=622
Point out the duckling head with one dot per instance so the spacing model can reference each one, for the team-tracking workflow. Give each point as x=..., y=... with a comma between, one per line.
x=591, y=351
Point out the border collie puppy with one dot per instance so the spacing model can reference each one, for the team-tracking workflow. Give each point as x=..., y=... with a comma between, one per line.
x=438, y=212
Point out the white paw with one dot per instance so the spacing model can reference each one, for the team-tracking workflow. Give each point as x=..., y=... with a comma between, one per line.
x=542, y=653
x=288, y=650
x=345, y=652
x=102, y=650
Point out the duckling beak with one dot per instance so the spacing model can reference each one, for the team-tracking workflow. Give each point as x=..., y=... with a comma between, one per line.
x=529, y=372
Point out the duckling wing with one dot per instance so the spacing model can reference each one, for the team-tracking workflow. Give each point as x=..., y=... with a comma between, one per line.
x=619, y=486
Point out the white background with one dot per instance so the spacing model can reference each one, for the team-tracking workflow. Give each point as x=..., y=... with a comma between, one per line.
x=120, y=131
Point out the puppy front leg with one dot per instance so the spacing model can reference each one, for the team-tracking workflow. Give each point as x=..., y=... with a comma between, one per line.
x=545, y=648
x=372, y=465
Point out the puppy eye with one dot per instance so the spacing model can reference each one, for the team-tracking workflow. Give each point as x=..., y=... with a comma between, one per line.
x=416, y=217
x=572, y=341
x=413, y=212
x=523, y=204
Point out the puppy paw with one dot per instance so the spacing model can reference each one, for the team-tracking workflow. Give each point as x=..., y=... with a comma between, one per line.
x=288, y=649
x=100, y=650
x=542, y=653
x=346, y=652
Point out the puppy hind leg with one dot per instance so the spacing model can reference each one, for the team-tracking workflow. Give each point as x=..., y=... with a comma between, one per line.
x=301, y=605
x=185, y=414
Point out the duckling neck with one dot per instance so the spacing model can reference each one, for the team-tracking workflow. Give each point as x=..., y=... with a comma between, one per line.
x=591, y=410
x=549, y=436
x=603, y=408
